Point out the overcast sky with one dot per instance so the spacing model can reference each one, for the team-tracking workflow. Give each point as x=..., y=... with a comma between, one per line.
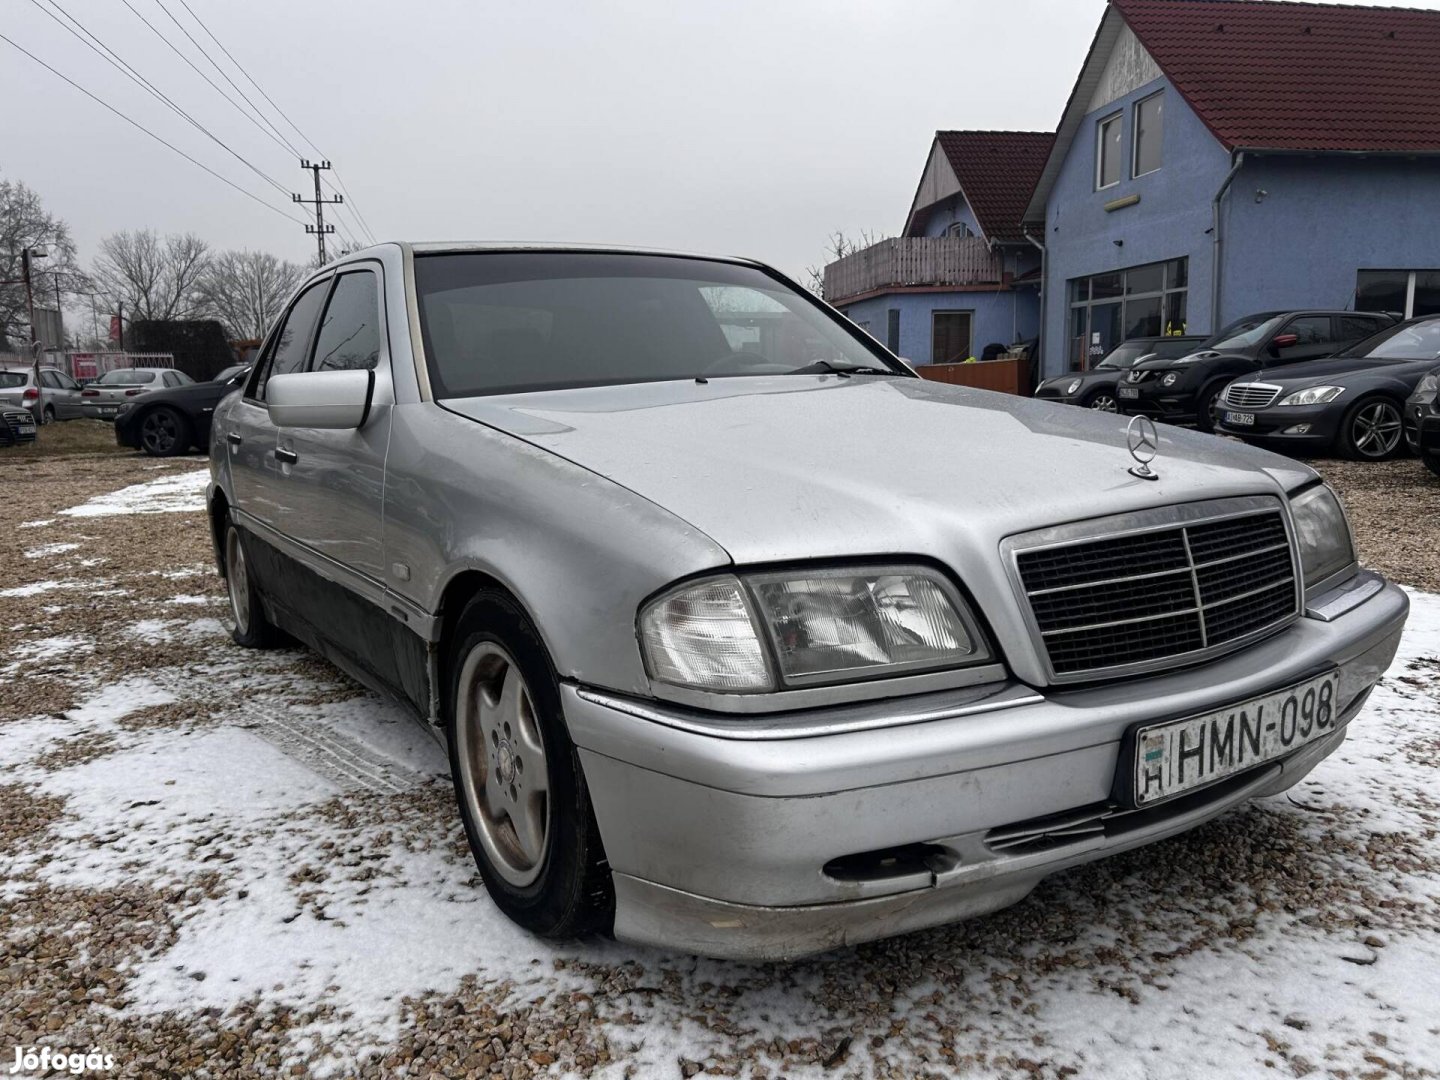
x=732, y=126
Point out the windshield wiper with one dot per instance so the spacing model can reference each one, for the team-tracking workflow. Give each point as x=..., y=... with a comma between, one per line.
x=839, y=367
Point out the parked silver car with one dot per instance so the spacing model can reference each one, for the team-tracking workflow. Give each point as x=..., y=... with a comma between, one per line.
x=103, y=397
x=53, y=396
x=745, y=640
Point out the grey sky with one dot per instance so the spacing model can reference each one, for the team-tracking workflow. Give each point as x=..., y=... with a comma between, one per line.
x=737, y=126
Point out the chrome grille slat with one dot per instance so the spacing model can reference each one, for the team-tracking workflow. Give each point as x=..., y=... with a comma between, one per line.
x=1251, y=395
x=1196, y=585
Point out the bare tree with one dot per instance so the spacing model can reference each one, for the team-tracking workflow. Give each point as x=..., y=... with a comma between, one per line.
x=247, y=290
x=155, y=278
x=24, y=222
x=837, y=248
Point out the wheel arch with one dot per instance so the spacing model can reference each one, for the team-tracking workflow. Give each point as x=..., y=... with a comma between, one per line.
x=217, y=512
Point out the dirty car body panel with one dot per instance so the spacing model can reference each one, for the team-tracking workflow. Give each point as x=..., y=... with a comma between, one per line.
x=821, y=810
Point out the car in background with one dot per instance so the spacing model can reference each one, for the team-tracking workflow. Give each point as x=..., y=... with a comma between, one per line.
x=16, y=426
x=175, y=419
x=1185, y=390
x=103, y=397
x=1422, y=419
x=55, y=396
x=1353, y=403
x=1095, y=389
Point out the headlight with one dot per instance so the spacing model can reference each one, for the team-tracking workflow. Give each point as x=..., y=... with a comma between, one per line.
x=1168, y=379
x=802, y=628
x=125, y=406
x=1315, y=395
x=1322, y=533
x=1428, y=385
x=1074, y=385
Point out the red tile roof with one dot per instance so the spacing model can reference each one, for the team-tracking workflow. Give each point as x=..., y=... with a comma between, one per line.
x=1299, y=76
x=997, y=171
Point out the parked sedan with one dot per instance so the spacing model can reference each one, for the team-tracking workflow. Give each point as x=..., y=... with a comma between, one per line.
x=103, y=397
x=16, y=426
x=1095, y=389
x=1353, y=403
x=1185, y=390
x=175, y=419
x=728, y=653
x=54, y=395
x=1422, y=420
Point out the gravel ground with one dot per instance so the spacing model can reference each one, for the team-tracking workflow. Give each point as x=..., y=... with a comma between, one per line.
x=221, y=863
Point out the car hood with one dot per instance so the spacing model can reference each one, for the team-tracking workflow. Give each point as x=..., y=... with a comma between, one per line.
x=813, y=466
x=1165, y=363
x=1335, y=368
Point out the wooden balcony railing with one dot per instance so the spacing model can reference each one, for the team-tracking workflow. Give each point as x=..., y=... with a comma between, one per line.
x=913, y=260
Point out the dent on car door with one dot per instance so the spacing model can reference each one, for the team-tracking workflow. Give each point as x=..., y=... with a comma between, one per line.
x=331, y=494
x=249, y=435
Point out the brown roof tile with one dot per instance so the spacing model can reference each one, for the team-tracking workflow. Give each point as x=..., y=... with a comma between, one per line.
x=997, y=171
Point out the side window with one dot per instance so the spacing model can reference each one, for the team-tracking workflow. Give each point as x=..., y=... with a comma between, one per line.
x=66, y=382
x=48, y=379
x=1355, y=327
x=170, y=378
x=349, y=337
x=1310, y=329
x=289, y=347
x=181, y=379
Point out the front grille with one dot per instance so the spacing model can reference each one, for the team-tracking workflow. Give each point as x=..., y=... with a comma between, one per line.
x=1251, y=395
x=1164, y=594
x=13, y=419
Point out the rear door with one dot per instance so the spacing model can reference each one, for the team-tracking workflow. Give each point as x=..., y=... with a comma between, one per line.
x=331, y=495
x=1316, y=336
x=249, y=435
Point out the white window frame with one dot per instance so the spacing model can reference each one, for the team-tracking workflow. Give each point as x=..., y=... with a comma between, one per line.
x=1135, y=137
x=1101, y=126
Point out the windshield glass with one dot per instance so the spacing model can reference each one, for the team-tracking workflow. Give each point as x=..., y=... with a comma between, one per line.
x=1126, y=353
x=1418, y=341
x=126, y=377
x=230, y=372
x=512, y=322
x=13, y=378
x=1243, y=333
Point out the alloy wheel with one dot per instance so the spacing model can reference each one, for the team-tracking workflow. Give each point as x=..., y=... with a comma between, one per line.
x=159, y=431
x=237, y=578
x=1104, y=403
x=1376, y=430
x=504, y=775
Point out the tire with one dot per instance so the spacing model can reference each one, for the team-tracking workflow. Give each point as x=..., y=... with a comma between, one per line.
x=164, y=432
x=1373, y=430
x=248, y=625
x=1205, y=407
x=47, y=415
x=511, y=754
x=1432, y=461
x=1103, y=401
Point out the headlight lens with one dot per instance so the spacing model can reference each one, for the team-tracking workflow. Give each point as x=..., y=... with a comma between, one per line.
x=1315, y=395
x=820, y=626
x=1168, y=379
x=1428, y=385
x=125, y=406
x=1074, y=385
x=1322, y=533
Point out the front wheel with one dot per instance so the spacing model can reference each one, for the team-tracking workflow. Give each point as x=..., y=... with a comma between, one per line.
x=1373, y=430
x=1207, y=408
x=164, y=432
x=518, y=780
x=1103, y=401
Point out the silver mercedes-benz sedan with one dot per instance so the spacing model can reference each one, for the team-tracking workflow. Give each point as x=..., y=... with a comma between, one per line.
x=742, y=638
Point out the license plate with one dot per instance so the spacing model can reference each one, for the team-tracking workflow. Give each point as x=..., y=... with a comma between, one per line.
x=1182, y=755
x=109, y=410
x=1129, y=392
x=26, y=429
x=1240, y=419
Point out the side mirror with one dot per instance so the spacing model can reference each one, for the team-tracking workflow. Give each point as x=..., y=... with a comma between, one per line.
x=1284, y=341
x=319, y=399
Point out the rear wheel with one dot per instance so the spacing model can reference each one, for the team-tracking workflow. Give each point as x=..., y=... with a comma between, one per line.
x=1102, y=401
x=248, y=625
x=164, y=432
x=518, y=780
x=47, y=415
x=1373, y=430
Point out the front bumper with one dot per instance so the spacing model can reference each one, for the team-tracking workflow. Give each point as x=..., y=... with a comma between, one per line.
x=719, y=843
x=1274, y=425
x=1169, y=404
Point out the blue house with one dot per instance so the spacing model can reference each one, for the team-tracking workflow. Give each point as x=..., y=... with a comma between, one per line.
x=1222, y=157
x=962, y=275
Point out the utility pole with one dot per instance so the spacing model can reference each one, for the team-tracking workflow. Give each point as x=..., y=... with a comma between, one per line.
x=26, y=254
x=120, y=322
x=319, y=229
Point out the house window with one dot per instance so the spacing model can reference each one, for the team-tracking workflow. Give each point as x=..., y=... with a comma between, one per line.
x=1108, y=153
x=1142, y=301
x=1404, y=292
x=1149, y=128
x=892, y=330
x=950, y=336
x=959, y=228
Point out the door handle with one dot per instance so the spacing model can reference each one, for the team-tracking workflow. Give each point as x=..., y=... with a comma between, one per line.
x=233, y=439
x=289, y=457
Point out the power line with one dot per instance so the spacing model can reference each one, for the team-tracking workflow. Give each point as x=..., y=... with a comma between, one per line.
x=118, y=62
x=136, y=124
x=359, y=217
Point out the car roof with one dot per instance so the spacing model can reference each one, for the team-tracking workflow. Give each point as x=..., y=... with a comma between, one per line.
x=450, y=247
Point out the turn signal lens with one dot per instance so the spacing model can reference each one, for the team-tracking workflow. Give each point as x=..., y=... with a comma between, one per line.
x=702, y=636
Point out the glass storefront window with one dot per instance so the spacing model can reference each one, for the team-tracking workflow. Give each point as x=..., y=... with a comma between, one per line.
x=1141, y=301
x=1405, y=292
x=1427, y=293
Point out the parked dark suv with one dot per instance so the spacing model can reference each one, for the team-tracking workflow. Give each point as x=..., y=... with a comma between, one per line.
x=1095, y=389
x=1184, y=390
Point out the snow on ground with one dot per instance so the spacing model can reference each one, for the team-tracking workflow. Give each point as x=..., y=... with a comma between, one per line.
x=171, y=493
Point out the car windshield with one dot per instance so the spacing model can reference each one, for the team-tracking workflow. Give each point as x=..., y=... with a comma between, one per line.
x=1125, y=354
x=512, y=322
x=14, y=378
x=230, y=373
x=1243, y=333
x=126, y=377
x=1415, y=341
